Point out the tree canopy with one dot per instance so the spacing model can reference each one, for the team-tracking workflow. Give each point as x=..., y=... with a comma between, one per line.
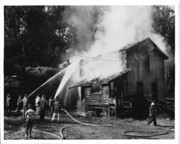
x=35, y=35
x=164, y=24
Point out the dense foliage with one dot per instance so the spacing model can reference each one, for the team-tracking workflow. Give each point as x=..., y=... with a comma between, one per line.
x=31, y=37
x=164, y=24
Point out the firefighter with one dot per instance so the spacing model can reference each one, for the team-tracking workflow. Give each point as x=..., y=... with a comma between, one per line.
x=130, y=106
x=57, y=109
x=18, y=104
x=43, y=107
x=51, y=105
x=25, y=104
x=152, y=114
x=8, y=105
x=37, y=104
x=30, y=116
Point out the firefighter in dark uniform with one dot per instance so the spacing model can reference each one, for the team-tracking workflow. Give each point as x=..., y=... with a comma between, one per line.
x=51, y=104
x=30, y=116
x=57, y=110
x=152, y=114
x=25, y=104
x=18, y=104
x=43, y=107
x=8, y=104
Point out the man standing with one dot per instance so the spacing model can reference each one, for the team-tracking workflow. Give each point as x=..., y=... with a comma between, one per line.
x=29, y=115
x=25, y=104
x=50, y=105
x=8, y=105
x=57, y=109
x=37, y=103
x=43, y=107
x=152, y=114
x=18, y=104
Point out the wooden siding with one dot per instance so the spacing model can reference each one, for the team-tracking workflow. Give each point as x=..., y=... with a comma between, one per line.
x=87, y=91
x=96, y=98
x=139, y=72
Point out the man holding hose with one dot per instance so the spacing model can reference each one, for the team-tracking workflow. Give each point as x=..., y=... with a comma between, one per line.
x=57, y=109
x=29, y=115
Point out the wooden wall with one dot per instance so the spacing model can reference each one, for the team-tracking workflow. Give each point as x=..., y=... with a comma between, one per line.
x=96, y=98
x=138, y=60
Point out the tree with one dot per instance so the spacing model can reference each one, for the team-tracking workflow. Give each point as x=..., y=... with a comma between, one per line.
x=35, y=35
x=164, y=24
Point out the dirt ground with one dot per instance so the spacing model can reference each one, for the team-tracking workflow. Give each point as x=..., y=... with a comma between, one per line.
x=14, y=128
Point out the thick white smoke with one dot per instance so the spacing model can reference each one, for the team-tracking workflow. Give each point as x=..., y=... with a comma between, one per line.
x=122, y=25
x=108, y=28
x=117, y=27
x=101, y=30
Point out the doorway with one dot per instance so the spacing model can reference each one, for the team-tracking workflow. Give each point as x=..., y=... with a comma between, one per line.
x=154, y=91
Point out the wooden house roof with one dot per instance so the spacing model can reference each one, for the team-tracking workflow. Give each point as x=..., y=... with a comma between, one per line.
x=145, y=41
x=87, y=82
x=90, y=81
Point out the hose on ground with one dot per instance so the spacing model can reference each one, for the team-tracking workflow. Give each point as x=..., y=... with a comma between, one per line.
x=61, y=131
x=86, y=124
x=124, y=112
x=48, y=133
x=142, y=133
x=34, y=130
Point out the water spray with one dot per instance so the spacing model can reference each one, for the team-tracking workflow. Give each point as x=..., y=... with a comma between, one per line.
x=67, y=76
x=59, y=73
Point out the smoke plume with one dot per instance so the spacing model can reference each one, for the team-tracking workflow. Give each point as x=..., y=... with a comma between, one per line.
x=102, y=29
x=105, y=29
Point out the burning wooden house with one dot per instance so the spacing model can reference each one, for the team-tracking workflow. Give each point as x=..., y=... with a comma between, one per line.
x=111, y=86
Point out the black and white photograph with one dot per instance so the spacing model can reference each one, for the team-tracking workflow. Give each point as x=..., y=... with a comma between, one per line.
x=89, y=72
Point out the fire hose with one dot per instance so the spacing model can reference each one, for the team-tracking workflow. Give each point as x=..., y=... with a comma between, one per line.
x=48, y=133
x=132, y=133
x=127, y=133
x=149, y=133
x=85, y=124
x=35, y=130
x=144, y=134
x=61, y=129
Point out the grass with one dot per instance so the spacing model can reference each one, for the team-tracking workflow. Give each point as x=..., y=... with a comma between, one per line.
x=14, y=128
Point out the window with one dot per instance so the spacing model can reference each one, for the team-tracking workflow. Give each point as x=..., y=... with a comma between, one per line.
x=154, y=90
x=87, y=91
x=139, y=88
x=112, y=85
x=96, y=88
x=147, y=63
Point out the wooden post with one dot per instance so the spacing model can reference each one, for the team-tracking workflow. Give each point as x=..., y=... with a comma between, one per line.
x=116, y=104
x=122, y=101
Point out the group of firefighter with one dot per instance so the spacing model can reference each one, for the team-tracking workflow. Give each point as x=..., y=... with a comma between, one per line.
x=42, y=108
